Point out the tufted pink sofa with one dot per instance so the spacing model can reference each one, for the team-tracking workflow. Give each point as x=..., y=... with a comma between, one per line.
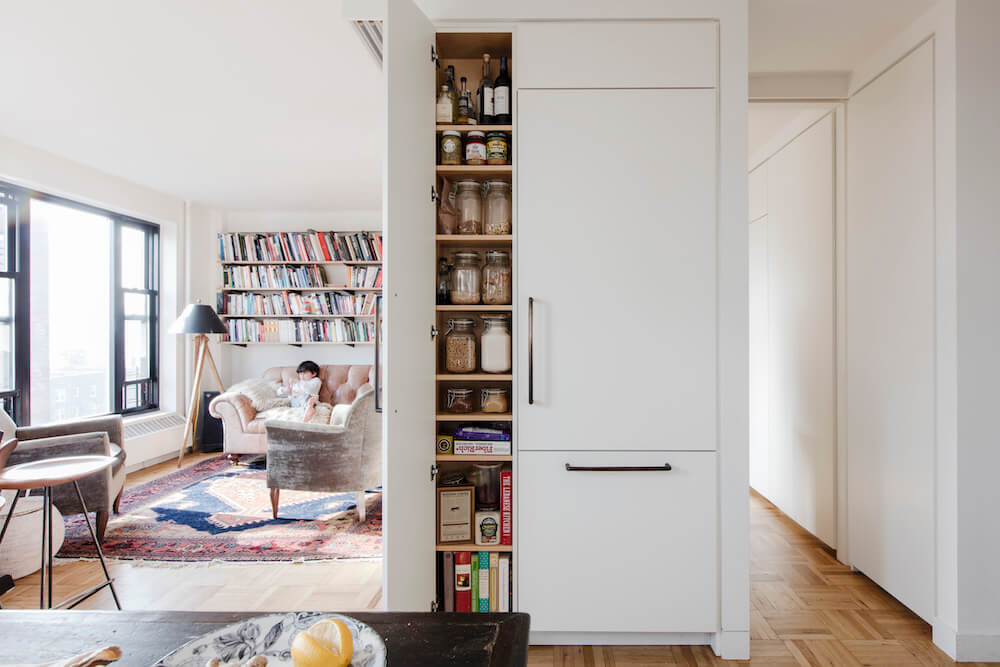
x=244, y=433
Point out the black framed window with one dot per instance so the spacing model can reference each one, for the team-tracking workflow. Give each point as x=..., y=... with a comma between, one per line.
x=84, y=310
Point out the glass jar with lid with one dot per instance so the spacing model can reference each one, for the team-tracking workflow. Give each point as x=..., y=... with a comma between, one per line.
x=451, y=147
x=496, y=278
x=458, y=400
x=494, y=400
x=466, y=278
x=475, y=147
x=460, y=346
x=469, y=202
x=495, y=345
x=498, y=207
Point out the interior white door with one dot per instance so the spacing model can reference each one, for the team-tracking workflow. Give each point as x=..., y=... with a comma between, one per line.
x=759, y=463
x=408, y=215
x=617, y=249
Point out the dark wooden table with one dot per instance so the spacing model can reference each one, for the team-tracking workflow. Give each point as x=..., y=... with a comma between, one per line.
x=415, y=639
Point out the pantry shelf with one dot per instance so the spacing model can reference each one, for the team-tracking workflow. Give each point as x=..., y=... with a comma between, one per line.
x=473, y=458
x=475, y=239
x=475, y=377
x=442, y=127
x=474, y=170
x=474, y=417
x=472, y=546
x=465, y=309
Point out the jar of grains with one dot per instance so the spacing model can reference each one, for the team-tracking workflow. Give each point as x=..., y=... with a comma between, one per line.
x=460, y=346
x=451, y=147
x=466, y=278
x=495, y=345
x=469, y=202
x=496, y=278
x=458, y=400
x=475, y=147
x=498, y=207
x=494, y=400
x=497, y=148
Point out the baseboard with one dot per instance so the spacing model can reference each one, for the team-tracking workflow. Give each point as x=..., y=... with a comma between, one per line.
x=965, y=647
x=619, y=638
x=732, y=644
x=149, y=463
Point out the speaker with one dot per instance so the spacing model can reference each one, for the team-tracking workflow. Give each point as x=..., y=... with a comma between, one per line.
x=209, y=432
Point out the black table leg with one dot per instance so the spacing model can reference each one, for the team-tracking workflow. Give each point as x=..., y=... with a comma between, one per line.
x=109, y=582
x=48, y=512
x=41, y=572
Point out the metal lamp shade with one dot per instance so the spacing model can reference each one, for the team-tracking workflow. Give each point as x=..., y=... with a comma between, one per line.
x=198, y=318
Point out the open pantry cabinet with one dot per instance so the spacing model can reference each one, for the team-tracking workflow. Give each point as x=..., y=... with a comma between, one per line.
x=628, y=385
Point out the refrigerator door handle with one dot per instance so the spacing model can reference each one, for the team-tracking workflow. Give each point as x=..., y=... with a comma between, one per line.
x=531, y=350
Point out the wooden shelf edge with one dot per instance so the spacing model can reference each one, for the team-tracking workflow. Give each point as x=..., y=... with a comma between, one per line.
x=475, y=169
x=467, y=546
x=296, y=317
x=441, y=127
x=485, y=377
x=474, y=457
x=326, y=288
x=458, y=309
x=475, y=417
x=332, y=342
x=227, y=262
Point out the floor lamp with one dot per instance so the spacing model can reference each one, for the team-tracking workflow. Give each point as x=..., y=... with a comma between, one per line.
x=200, y=320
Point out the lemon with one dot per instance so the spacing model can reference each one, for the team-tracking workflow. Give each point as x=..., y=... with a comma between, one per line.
x=327, y=643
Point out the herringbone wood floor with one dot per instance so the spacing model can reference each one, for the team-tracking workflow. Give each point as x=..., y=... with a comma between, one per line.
x=806, y=608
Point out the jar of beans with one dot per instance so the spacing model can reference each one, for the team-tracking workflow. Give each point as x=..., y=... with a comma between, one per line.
x=460, y=353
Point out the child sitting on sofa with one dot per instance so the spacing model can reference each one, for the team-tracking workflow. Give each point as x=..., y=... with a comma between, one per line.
x=305, y=392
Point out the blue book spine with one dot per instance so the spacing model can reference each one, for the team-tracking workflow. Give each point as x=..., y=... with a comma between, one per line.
x=484, y=577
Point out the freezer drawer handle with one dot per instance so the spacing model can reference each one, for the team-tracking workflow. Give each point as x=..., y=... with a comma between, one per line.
x=572, y=468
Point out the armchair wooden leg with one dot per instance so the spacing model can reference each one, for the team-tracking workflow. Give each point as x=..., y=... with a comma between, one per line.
x=274, y=502
x=118, y=501
x=361, y=506
x=102, y=525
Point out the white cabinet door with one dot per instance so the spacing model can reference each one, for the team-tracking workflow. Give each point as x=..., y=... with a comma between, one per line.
x=409, y=309
x=624, y=551
x=616, y=246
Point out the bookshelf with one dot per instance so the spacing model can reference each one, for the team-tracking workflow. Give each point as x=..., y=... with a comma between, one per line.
x=299, y=288
x=453, y=49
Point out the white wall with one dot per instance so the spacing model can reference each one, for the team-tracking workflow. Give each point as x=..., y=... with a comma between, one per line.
x=238, y=363
x=793, y=408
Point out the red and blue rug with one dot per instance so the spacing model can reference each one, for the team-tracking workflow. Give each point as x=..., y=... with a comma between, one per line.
x=217, y=511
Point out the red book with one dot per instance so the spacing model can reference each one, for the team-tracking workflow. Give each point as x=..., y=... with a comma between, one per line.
x=463, y=581
x=506, y=507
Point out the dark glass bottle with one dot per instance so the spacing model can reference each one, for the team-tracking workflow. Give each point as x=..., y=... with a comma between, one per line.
x=485, y=94
x=501, y=95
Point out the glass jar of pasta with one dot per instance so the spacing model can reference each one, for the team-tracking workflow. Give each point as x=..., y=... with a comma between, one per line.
x=496, y=278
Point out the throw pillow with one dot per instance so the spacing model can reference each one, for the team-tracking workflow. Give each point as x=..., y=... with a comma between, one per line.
x=263, y=394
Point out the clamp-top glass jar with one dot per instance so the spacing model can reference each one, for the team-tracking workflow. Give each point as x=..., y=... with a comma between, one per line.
x=469, y=202
x=498, y=207
x=466, y=278
x=496, y=278
x=460, y=346
x=495, y=345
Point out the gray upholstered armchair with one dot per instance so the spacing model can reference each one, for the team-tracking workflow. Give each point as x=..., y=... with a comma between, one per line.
x=101, y=435
x=345, y=455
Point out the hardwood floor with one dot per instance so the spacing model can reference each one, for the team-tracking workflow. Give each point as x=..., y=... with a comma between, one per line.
x=347, y=585
x=806, y=608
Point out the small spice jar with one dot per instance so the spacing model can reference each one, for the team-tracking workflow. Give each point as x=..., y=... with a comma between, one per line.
x=451, y=147
x=497, y=148
x=494, y=400
x=469, y=202
x=460, y=346
x=495, y=345
x=466, y=278
x=475, y=147
x=496, y=278
x=498, y=207
x=458, y=400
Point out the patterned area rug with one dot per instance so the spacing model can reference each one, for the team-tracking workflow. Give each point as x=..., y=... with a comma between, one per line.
x=217, y=511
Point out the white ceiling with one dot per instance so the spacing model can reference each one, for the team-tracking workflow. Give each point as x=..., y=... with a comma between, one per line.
x=237, y=103
x=268, y=104
x=823, y=35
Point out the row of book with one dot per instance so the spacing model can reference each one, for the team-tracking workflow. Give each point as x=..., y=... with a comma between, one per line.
x=477, y=581
x=296, y=303
x=300, y=331
x=272, y=277
x=308, y=246
x=360, y=276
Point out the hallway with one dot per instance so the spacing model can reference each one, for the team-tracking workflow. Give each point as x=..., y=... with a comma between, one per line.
x=806, y=608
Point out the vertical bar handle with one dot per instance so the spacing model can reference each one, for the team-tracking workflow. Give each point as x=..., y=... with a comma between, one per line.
x=531, y=350
x=378, y=351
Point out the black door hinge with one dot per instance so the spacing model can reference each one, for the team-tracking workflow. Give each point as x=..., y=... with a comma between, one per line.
x=434, y=58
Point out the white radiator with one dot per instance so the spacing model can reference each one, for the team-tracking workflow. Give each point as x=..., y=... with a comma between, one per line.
x=152, y=439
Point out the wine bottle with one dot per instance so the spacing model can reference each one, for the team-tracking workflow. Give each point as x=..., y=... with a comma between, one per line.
x=485, y=94
x=463, y=103
x=501, y=95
